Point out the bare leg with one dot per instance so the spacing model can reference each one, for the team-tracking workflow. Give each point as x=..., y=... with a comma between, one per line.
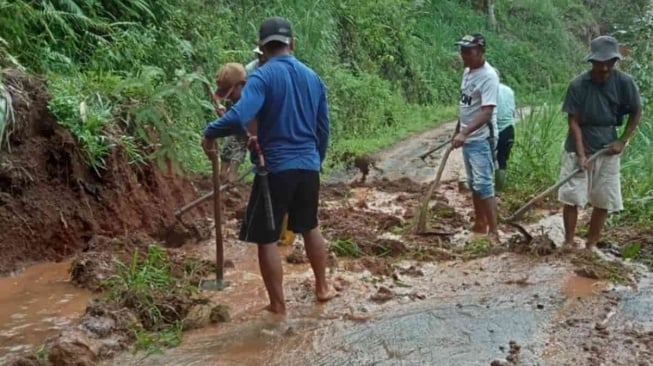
x=599, y=216
x=317, y=255
x=490, y=212
x=269, y=260
x=480, y=219
x=570, y=218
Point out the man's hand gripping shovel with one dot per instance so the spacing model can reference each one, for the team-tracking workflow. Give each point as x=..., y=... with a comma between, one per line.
x=512, y=220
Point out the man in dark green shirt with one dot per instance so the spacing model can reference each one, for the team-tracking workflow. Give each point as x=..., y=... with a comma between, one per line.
x=596, y=102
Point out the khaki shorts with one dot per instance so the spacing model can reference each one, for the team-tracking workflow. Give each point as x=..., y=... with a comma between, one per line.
x=601, y=186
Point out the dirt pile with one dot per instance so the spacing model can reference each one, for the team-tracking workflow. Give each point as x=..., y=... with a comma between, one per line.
x=102, y=257
x=52, y=203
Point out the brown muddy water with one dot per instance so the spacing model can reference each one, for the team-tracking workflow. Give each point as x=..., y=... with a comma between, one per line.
x=463, y=313
x=35, y=305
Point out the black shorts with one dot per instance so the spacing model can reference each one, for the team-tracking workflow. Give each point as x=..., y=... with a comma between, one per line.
x=295, y=192
x=506, y=140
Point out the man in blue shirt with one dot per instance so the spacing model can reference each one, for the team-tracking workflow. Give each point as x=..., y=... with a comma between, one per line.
x=288, y=100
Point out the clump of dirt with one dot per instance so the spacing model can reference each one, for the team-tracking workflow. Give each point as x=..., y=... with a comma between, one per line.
x=23, y=361
x=591, y=266
x=402, y=185
x=540, y=245
x=334, y=191
x=52, y=203
x=618, y=240
x=443, y=217
x=376, y=266
x=383, y=295
x=412, y=271
x=363, y=228
x=220, y=314
x=513, y=356
x=174, y=236
x=297, y=256
x=92, y=268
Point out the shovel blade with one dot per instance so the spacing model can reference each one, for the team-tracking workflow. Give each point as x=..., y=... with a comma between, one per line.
x=213, y=285
x=528, y=237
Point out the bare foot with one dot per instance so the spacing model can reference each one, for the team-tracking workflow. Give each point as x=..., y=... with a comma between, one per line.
x=479, y=229
x=494, y=238
x=276, y=309
x=324, y=296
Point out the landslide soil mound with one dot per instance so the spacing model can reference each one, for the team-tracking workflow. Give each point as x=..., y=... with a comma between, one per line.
x=52, y=203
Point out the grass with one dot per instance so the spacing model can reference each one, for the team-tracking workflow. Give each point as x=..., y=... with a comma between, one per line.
x=144, y=286
x=346, y=248
x=476, y=248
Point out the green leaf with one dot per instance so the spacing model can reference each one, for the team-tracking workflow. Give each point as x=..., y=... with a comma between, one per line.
x=631, y=251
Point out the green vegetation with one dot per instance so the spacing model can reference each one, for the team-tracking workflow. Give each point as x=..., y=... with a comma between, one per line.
x=135, y=74
x=346, y=248
x=148, y=287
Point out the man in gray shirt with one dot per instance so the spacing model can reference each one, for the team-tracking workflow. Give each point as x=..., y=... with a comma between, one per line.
x=476, y=131
x=596, y=102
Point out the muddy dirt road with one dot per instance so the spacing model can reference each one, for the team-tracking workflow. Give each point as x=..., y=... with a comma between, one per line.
x=509, y=309
x=446, y=299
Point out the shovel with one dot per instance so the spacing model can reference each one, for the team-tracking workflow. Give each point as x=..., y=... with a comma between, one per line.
x=219, y=283
x=421, y=222
x=520, y=212
x=426, y=154
x=182, y=210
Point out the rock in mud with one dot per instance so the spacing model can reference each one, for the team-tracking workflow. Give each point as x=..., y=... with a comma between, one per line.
x=89, y=269
x=377, y=266
x=412, y=271
x=389, y=222
x=199, y=316
x=220, y=314
x=23, y=361
x=297, y=256
x=73, y=348
x=180, y=233
x=384, y=294
x=388, y=247
x=112, y=326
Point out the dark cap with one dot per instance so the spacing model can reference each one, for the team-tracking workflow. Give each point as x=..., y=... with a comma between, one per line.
x=470, y=41
x=275, y=29
x=604, y=48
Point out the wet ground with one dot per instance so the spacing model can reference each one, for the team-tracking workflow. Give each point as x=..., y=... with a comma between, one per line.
x=36, y=305
x=508, y=308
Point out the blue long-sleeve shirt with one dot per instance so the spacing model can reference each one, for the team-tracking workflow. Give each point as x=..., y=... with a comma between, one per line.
x=289, y=101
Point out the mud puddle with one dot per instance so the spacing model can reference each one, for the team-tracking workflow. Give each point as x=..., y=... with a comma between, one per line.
x=37, y=304
x=462, y=313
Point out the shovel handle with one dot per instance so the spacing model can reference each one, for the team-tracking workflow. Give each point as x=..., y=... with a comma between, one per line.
x=217, y=217
x=182, y=210
x=423, y=156
x=564, y=180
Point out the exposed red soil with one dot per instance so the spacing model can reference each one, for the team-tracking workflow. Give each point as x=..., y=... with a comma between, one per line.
x=52, y=204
